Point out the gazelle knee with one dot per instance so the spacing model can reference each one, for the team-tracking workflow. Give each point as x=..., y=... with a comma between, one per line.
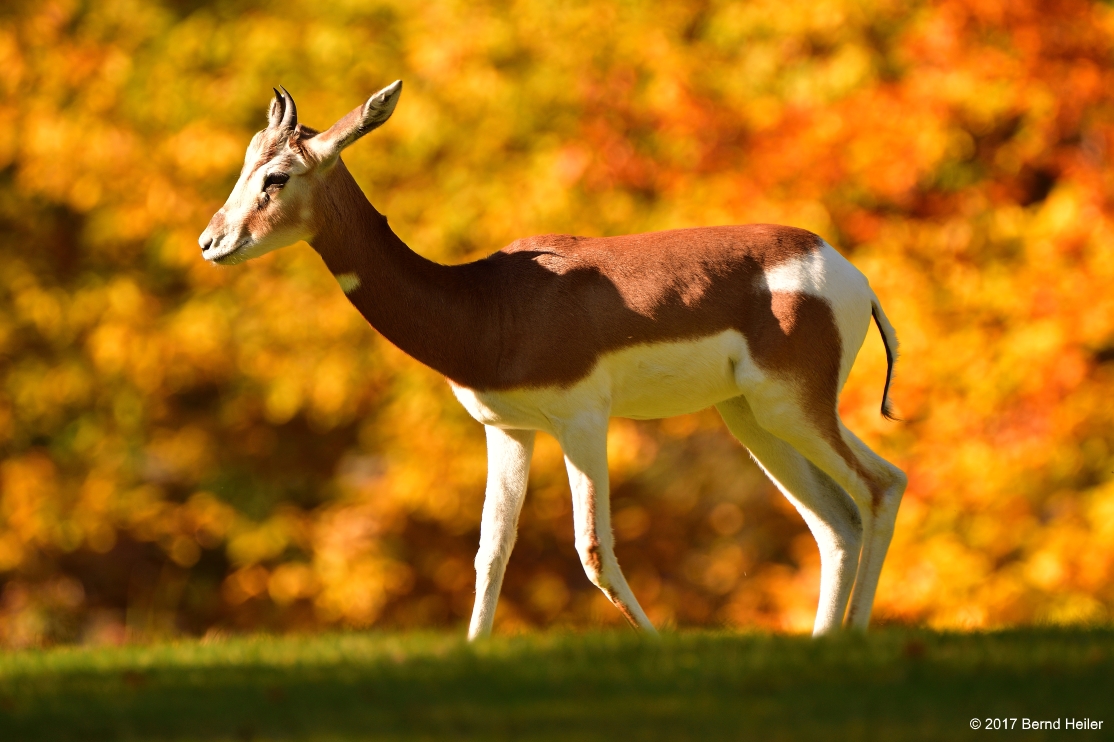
x=894, y=482
x=900, y=480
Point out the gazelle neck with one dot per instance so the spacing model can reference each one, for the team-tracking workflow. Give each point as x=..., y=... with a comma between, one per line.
x=429, y=310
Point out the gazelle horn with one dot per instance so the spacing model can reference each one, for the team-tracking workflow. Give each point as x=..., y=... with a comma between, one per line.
x=290, y=114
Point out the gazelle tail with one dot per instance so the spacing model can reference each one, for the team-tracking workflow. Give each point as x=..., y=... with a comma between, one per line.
x=889, y=340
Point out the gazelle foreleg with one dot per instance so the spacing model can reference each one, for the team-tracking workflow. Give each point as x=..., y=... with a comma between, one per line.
x=827, y=509
x=508, y=471
x=584, y=441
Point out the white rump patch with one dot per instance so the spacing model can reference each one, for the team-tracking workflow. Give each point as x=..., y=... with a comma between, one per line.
x=827, y=274
x=803, y=275
x=349, y=282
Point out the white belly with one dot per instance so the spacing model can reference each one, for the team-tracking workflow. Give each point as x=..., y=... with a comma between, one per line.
x=641, y=382
x=652, y=381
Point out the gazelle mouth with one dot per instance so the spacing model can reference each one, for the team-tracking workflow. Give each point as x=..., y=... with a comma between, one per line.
x=231, y=257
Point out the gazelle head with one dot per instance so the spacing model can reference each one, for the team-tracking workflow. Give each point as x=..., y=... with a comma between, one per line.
x=272, y=204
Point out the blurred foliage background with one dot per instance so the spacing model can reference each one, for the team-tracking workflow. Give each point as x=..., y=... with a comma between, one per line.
x=189, y=449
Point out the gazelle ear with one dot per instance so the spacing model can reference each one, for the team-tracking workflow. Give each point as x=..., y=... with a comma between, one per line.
x=327, y=145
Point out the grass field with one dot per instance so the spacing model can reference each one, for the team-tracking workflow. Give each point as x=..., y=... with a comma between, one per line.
x=890, y=685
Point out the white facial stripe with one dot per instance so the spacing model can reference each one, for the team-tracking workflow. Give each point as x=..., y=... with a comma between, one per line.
x=349, y=282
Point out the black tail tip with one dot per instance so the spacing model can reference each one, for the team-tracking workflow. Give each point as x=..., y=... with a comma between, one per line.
x=888, y=412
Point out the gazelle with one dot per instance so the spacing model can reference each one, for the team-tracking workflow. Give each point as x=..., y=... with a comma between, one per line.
x=560, y=333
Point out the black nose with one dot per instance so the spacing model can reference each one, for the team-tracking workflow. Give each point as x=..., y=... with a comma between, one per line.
x=206, y=244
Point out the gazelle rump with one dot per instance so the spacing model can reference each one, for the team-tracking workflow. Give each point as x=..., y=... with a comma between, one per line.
x=560, y=333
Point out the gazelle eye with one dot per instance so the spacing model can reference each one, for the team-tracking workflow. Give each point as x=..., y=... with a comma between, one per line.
x=275, y=179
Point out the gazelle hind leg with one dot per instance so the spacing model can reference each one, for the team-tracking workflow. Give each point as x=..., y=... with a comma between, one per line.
x=584, y=441
x=508, y=471
x=884, y=504
x=830, y=513
x=873, y=483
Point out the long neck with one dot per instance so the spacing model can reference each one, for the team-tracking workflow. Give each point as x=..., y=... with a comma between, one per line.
x=430, y=311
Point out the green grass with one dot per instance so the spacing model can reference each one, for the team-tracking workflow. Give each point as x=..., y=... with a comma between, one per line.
x=889, y=685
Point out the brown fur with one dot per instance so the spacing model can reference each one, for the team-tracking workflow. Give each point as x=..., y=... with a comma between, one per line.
x=541, y=311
